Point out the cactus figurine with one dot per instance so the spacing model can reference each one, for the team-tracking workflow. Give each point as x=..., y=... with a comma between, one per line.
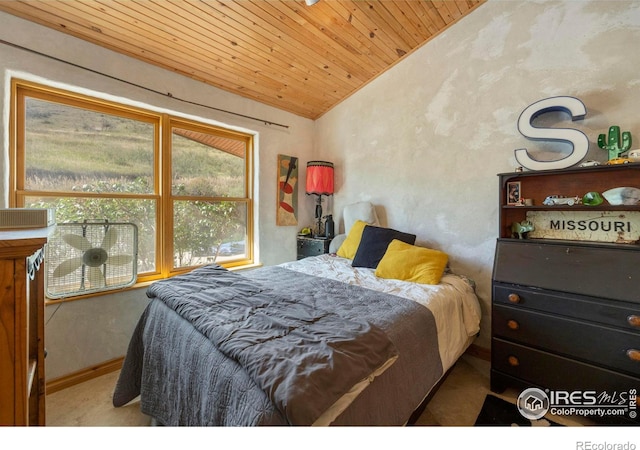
x=613, y=145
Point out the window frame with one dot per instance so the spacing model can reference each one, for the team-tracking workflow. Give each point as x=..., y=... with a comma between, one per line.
x=171, y=122
x=162, y=190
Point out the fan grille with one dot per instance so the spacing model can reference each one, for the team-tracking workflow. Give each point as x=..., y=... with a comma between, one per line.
x=91, y=257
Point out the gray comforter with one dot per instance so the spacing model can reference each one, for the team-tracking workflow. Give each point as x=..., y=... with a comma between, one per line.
x=273, y=346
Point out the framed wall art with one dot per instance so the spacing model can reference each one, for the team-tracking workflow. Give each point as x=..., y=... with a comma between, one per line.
x=513, y=193
x=287, y=208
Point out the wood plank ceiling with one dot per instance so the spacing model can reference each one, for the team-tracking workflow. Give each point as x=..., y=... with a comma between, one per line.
x=299, y=58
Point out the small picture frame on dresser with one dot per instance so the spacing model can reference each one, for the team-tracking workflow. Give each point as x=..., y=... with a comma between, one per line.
x=514, y=193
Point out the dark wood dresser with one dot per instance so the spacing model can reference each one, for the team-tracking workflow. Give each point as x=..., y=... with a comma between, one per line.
x=566, y=313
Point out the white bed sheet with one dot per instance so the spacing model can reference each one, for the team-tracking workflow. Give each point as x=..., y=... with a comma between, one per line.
x=453, y=302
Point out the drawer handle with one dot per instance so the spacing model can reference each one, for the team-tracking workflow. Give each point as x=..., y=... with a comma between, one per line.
x=513, y=325
x=633, y=354
x=634, y=320
x=514, y=298
x=513, y=361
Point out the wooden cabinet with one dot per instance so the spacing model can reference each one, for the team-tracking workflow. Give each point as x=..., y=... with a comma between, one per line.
x=22, y=370
x=566, y=313
x=308, y=246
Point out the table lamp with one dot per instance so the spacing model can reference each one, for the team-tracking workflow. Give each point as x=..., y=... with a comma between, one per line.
x=319, y=182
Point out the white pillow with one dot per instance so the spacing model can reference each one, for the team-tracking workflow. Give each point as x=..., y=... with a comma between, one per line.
x=359, y=211
x=337, y=241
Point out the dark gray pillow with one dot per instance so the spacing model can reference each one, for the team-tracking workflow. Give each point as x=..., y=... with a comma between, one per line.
x=374, y=243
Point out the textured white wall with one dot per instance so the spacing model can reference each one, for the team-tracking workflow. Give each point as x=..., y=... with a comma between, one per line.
x=426, y=140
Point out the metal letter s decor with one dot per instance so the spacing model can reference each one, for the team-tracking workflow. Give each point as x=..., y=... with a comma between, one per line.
x=287, y=209
x=578, y=139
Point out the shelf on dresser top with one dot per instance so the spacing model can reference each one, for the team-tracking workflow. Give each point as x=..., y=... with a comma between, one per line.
x=574, y=208
x=565, y=242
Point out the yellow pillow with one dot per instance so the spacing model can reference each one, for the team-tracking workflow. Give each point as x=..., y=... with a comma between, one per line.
x=408, y=262
x=350, y=245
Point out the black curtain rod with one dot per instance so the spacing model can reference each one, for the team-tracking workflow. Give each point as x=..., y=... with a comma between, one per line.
x=168, y=94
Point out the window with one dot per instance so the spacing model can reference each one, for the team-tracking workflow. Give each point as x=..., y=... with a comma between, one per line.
x=185, y=184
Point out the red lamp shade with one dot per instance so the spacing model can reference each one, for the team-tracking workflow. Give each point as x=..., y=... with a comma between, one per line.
x=320, y=178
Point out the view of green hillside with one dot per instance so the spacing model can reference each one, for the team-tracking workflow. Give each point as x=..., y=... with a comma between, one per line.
x=68, y=147
x=71, y=150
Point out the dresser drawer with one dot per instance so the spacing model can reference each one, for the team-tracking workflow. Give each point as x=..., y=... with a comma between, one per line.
x=546, y=370
x=601, y=345
x=607, y=312
x=602, y=271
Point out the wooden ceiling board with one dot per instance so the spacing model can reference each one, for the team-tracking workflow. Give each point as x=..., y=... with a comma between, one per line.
x=283, y=53
x=330, y=57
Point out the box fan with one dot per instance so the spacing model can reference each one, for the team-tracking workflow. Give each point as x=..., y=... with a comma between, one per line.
x=91, y=257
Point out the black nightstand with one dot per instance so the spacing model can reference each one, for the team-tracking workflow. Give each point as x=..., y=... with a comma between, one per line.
x=309, y=246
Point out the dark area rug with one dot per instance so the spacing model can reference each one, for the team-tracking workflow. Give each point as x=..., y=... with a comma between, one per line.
x=498, y=412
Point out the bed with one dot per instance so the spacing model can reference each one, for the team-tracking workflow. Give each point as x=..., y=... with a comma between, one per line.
x=378, y=347
x=360, y=336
